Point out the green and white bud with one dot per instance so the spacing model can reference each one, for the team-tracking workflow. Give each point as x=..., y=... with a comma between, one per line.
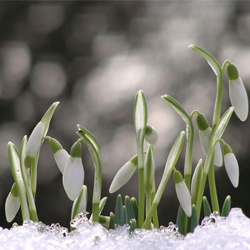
x=151, y=135
x=124, y=174
x=80, y=203
x=61, y=156
x=34, y=142
x=204, y=135
x=183, y=193
x=12, y=204
x=231, y=165
x=36, y=137
x=237, y=93
x=73, y=175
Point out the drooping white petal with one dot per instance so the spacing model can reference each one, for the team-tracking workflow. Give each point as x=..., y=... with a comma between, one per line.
x=238, y=98
x=122, y=176
x=34, y=141
x=184, y=197
x=218, y=159
x=151, y=135
x=232, y=168
x=73, y=177
x=61, y=158
x=204, y=136
x=12, y=206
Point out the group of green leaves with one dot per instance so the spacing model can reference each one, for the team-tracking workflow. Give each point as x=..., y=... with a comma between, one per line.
x=142, y=213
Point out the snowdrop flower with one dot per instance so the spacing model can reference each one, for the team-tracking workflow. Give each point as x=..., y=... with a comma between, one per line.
x=231, y=165
x=34, y=142
x=237, y=93
x=73, y=174
x=12, y=204
x=183, y=193
x=151, y=135
x=205, y=134
x=60, y=155
x=124, y=174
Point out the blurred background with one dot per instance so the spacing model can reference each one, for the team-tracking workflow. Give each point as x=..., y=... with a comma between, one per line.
x=93, y=56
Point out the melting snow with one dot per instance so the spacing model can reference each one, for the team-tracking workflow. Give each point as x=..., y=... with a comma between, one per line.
x=215, y=233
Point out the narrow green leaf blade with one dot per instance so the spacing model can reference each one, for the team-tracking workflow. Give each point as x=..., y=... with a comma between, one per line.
x=177, y=107
x=206, y=206
x=221, y=126
x=118, y=210
x=194, y=219
x=213, y=63
x=90, y=136
x=226, y=206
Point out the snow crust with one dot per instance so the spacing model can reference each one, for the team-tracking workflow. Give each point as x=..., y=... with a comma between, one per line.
x=215, y=233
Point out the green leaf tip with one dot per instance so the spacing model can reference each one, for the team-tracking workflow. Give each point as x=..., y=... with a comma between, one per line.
x=232, y=72
x=76, y=150
x=55, y=145
x=202, y=122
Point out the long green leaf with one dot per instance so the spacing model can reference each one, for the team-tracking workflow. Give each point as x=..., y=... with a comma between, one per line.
x=213, y=63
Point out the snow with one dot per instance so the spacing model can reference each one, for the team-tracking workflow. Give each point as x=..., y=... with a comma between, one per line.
x=215, y=233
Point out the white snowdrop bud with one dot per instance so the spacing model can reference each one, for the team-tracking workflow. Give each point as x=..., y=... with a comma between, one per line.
x=237, y=93
x=151, y=135
x=60, y=155
x=124, y=174
x=204, y=135
x=34, y=142
x=183, y=193
x=231, y=165
x=73, y=175
x=12, y=204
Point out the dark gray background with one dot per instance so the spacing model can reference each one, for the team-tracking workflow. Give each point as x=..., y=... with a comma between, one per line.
x=93, y=56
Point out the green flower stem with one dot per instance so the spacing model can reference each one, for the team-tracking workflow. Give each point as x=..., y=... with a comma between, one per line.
x=170, y=164
x=33, y=178
x=30, y=197
x=212, y=188
x=97, y=176
x=189, y=154
x=200, y=194
x=218, y=100
x=140, y=122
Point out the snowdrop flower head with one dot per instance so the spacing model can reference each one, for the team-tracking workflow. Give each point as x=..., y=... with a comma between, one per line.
x=151, y=135
x=73, y=174
x=204, y=135
x=124, y=174
x=12, y=204
x=60, y=155
x=231, y=165
x=183, y=193
x=237, y=93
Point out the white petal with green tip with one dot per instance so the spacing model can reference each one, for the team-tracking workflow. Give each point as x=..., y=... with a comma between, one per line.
x=61, y=157
x=12, y=206
x=73, y=177
x=232, y=168
x=184, y=197
x=122, y=176
x=238, y=98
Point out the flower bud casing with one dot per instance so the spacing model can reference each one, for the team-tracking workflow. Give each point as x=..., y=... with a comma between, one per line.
x=34, y=142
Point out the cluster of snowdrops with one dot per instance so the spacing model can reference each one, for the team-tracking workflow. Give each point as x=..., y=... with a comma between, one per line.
x=140, y=213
